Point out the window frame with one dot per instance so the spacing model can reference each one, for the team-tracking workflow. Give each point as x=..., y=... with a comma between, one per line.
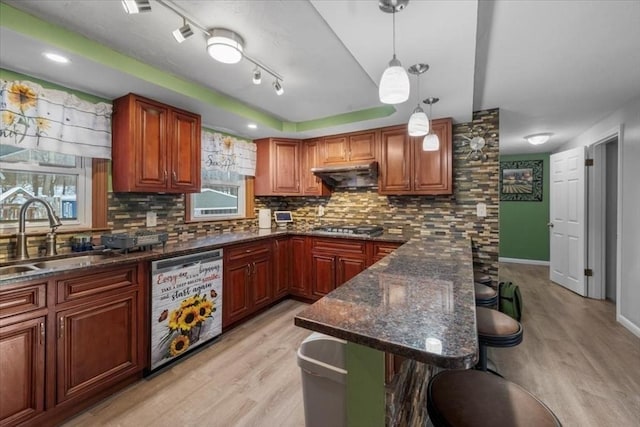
x=249, y=210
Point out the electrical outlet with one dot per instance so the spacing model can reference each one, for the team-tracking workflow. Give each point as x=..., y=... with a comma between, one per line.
x=152, y=219
x=320, y=210
x=481, y=210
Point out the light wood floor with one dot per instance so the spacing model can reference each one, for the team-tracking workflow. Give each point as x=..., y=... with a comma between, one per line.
x=574, y=357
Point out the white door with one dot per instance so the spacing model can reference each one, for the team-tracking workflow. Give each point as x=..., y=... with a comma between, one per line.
x=567, y=220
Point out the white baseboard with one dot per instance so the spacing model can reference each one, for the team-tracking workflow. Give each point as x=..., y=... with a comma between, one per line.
x=523, y=261
x=629, y=325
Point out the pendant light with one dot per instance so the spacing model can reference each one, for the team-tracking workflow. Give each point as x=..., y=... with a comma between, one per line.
x=431, y=142
x=394, y=84
x=418, y=122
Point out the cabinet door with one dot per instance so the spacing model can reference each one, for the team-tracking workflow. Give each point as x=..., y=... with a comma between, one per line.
x=349, y=267
x=335, y=149
x=235, y=294
x=281, y=254
x=362, y=146
x=261, y=286
x=300, y=284
x=382, y=249
x=185, y=152
x=150, y=145
x=22, y=371
x=312, y=185
x=432, y=172
x=286, y=167
x=323, y=274
x=394, y=161
x=97, y=345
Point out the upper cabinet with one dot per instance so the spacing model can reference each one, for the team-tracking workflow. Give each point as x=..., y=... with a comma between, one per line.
x=156, y=148
x=311, y=184
x=278, y=167
x=350, y=147
x=406, y=169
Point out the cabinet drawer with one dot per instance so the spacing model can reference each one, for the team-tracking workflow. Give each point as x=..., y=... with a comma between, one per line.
x=86, y=285
x=339, y=246
x=381, y=250
x=23, y=299
x=240, y=253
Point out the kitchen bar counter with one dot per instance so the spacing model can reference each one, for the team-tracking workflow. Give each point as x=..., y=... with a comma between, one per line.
x=417, y=302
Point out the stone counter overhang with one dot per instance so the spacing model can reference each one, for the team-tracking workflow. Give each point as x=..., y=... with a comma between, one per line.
x=186, y=247
x=418, y=302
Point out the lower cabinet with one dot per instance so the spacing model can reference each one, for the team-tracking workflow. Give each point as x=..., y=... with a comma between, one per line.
x=323, y=274
x=335, y=261
x=381, y=250
x=281, y=248
x=300, y=284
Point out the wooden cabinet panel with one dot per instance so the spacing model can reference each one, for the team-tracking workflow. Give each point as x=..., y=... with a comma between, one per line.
x=97, y=345
x=22, y=299
x=91, y=284
x=395, y=166
x=349, y=147
x=362, y=146
x=22, y=373
x=235, y=293
x=262, y=285
x=382, y=249
x=278, y=167
x=281, y=266
x=432, y=169
x=335, y=149
x=323, y=275
x=155, y=147
x=349, y=267
x=340, y=246
x=311, y=184
x=299, y=251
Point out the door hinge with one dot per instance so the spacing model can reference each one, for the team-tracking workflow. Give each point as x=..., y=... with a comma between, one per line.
x=588, y=162
x=588, y=272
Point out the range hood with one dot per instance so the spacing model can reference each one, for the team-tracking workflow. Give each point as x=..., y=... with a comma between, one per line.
x=349, y=176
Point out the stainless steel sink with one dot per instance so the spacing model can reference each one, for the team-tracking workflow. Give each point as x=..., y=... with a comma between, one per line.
x=15, y=269
x=71, y=261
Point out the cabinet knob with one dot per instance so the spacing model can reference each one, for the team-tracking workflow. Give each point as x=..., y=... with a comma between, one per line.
x=61, y=327
x=41, y=333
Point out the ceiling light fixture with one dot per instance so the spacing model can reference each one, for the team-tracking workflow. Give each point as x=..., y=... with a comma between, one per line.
x=278, y=87
x=418, y=122
x=257, y=76
x=431, y=142
x=184, y=32
x=394, y=84
x=225, y=45
x=538, y=138
x=56, y=58
x=252, y=126
x=136, y=6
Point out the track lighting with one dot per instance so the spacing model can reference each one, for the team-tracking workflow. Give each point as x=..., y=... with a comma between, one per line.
x=278, y=87
x=257, y=76
x=225, y=46
x=184, y=32
x=136, y=6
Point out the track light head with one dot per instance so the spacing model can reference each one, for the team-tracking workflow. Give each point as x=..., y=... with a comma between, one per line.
x=183, y=33
x=136, y=6
x=278, y=87
x=257, y=76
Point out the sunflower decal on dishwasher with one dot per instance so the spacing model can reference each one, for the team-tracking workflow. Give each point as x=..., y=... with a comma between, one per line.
x=185, y=322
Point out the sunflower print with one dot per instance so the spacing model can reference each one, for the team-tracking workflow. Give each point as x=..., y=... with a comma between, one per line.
x=204, y=310
x=189, y=301
x=42, y=124
x=189, y=318
x=179, y=345
x=174, y=319
x=8, y=117
x=22, y=96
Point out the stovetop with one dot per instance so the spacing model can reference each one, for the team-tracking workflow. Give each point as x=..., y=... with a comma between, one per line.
x=365, y=229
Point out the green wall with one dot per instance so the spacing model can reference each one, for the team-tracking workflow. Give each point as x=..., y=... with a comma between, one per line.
x=523, y=225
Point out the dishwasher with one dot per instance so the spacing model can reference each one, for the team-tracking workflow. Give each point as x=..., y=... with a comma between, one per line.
x=186, y=305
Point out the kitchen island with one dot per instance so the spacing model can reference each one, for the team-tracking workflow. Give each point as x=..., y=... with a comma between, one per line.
x=417, y=303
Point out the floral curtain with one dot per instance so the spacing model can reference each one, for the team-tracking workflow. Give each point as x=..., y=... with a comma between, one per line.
x=52, y=120
x=225, y=158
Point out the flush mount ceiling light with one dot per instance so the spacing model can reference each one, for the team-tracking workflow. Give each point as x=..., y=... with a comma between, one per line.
x=394, y=84
x=56, y=58
x=184, y=32
x=225, y=46
x=538, y=138
x=257, y=76
x=418, y=122
x=278, y=87
x=252, y=126
x=136, y=6
x=431, y=142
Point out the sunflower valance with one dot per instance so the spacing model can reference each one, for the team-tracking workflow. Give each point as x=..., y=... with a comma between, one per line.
x=225, y=158
x=52, y=120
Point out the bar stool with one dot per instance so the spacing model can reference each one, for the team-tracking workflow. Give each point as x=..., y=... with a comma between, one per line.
x=486, y=296
x=495, y=329
x=474, y=398
x=484, y=280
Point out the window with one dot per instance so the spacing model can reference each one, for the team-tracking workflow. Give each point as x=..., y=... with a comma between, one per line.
x=62, y=180
x=219, y=200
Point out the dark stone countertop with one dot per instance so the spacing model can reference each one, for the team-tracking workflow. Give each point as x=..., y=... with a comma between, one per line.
x=83, y=260
x=418, y=302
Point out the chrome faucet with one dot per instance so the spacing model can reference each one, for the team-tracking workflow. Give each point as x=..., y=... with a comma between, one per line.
x=54, y=222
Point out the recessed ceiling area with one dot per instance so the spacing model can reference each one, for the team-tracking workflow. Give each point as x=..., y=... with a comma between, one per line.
x=555, y=67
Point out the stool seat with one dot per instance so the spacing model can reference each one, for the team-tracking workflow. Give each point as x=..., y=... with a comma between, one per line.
x=484, y=280
x=486, y=296
x=495, y=329
x=476, y=398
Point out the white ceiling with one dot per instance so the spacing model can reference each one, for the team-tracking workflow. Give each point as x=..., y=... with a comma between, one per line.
x=555, y=67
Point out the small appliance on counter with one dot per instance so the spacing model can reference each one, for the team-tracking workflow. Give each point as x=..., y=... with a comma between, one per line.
x=264, y=218
x=141, y=239
x=283, y=218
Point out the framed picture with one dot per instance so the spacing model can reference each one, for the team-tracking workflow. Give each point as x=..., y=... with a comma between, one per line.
x=521, y=180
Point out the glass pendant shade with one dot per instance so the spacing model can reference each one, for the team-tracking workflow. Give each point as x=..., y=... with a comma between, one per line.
x=431, y=142
x=418, y=123
x=394, y=84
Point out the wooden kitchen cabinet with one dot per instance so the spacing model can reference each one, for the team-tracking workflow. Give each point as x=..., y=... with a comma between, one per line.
x=349, y=148
x=407, y=170
x=300, y=285
x=155, y=147
x=381, y=250
x=248, y=280
x=22, y=371
x=278, y=167
x=312, y=185
x=323, y=274
x=281, y=248
x=335, y=261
